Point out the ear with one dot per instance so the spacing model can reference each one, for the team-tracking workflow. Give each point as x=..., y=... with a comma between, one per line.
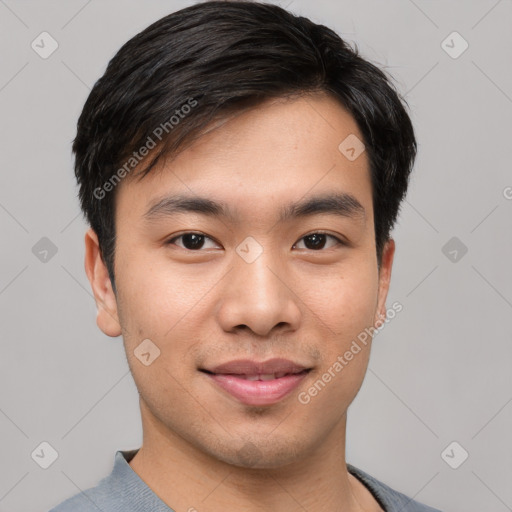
x=388, y=253
x=96, y=270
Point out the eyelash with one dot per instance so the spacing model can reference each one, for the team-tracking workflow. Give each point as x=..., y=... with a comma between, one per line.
x=338, y=240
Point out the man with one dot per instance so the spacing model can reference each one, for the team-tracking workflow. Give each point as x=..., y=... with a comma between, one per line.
x=241, y=169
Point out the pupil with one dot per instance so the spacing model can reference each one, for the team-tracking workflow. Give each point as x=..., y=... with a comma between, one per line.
x=318, y=240
x=193, y=241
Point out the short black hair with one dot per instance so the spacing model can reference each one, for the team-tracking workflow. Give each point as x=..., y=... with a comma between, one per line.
x=215, y=58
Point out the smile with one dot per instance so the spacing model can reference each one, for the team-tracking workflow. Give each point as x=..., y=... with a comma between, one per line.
x=258, y=389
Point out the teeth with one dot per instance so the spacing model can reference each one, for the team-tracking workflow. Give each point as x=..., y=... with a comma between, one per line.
x=263, y=376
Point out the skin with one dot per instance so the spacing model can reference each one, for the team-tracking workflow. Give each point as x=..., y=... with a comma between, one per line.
x=207, y=306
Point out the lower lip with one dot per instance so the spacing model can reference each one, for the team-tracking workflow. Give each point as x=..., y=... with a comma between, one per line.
x=258, y=392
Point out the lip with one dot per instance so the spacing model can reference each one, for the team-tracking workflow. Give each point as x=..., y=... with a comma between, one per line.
x=249, y=367
x=230, y=377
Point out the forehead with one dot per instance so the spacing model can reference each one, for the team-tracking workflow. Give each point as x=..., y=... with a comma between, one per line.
x=262, y=157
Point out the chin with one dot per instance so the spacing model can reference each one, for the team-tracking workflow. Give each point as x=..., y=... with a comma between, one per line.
x=262, y=454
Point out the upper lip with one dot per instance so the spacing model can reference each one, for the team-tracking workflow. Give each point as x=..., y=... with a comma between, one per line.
x=249, y=367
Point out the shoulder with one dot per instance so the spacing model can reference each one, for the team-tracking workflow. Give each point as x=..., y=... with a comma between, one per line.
x=121, y=491
x=113, y=493
x=389, y=499
x=102, y=497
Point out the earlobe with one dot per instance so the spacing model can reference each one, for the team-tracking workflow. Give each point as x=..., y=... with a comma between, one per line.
x=388, y=253
x=97, y=273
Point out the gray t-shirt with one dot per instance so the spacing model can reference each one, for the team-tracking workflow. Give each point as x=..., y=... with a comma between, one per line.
x=124, y=491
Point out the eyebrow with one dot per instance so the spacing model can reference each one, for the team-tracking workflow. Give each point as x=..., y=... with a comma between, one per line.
x=342, y=204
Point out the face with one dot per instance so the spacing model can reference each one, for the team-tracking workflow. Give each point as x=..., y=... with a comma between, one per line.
x=249, y=278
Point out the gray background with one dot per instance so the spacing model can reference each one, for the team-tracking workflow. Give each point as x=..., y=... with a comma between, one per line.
x=440, y=371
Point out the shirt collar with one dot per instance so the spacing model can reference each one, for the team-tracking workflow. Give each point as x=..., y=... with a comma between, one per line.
x=125, y=479
x=127, y=483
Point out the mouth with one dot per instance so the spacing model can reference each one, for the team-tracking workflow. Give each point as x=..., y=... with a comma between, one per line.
x=259, y=376
x=253, y=383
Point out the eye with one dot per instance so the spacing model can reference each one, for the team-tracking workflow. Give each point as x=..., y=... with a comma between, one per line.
x=317, y=241
x=190, y=241
x=196, y=241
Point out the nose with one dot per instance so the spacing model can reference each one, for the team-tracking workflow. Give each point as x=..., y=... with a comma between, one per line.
x=259, y=296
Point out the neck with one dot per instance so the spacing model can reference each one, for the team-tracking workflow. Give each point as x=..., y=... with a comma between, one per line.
x=188, y=478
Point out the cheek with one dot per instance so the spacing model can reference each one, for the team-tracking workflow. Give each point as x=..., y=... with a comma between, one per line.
x=345, y=354
x=346, y=305
x=332, y=390
x=160, y=304
x=157, y=298
x=343, y=300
